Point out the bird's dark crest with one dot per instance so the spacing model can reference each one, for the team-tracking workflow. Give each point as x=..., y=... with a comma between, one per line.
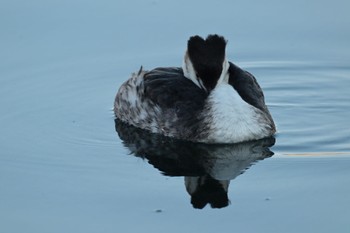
x=207, y=56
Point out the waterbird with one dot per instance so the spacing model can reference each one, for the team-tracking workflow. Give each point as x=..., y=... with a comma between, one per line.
x=208, y=100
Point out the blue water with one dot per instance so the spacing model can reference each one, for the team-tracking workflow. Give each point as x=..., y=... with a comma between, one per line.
x=64, y=168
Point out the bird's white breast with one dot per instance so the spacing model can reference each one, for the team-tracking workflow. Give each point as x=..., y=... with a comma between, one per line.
x=231, y=119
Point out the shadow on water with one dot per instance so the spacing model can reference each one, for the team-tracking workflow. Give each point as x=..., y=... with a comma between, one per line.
x=207, y=169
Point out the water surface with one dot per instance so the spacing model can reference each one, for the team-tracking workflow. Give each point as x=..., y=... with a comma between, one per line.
x=64, y=168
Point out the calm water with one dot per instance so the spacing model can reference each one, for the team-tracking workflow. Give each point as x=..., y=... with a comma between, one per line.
x=65, y=168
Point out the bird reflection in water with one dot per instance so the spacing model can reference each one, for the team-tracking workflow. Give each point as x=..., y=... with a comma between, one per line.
x=207, y=168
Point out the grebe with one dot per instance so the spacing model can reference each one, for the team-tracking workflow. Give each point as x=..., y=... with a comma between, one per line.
x=208, y=100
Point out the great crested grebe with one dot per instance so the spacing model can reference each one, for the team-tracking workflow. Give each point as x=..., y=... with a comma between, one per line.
x=208, y=100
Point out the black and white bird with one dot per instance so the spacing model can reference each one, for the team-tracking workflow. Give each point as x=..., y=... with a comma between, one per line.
x=208, y=100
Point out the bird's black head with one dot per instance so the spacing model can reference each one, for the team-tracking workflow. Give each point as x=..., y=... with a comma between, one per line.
x=207, y=57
